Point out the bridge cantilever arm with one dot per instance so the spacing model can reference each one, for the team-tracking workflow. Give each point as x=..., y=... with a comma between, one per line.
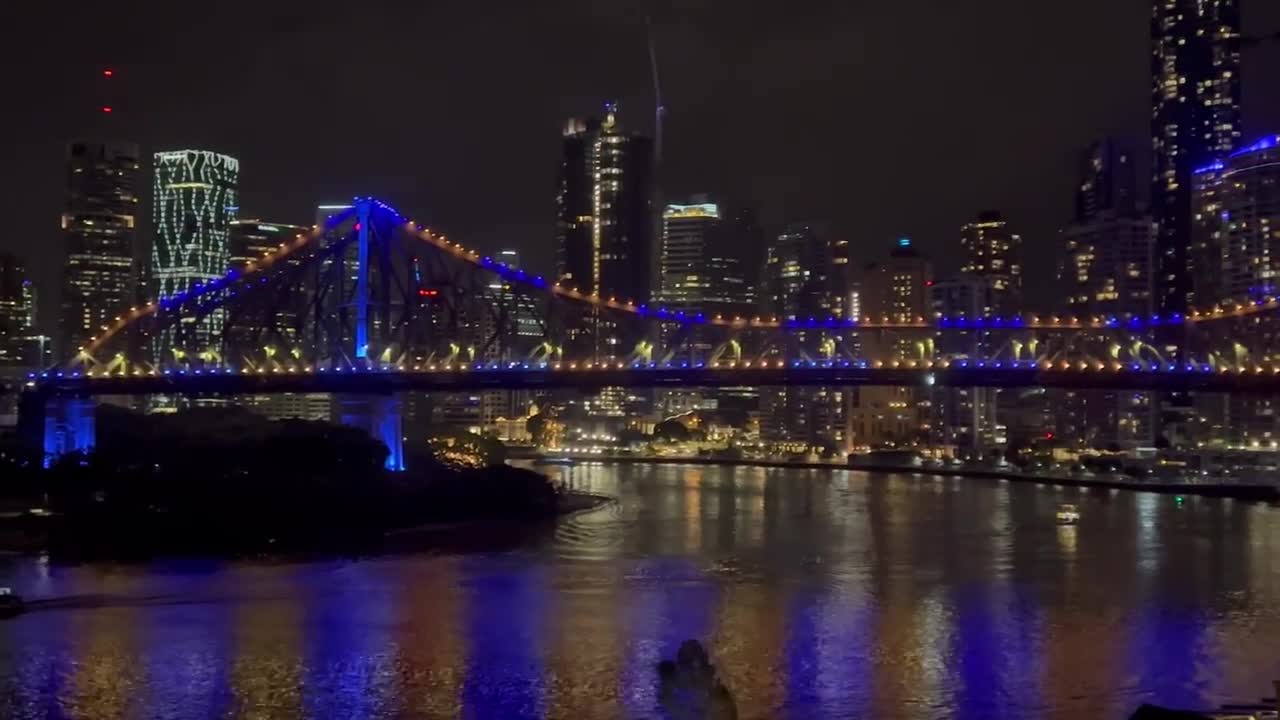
x=252, y=269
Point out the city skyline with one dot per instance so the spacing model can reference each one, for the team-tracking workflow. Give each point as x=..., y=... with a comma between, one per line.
x=784, y=177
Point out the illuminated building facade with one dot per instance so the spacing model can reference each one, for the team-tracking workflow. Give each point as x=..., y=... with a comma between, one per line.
x=1108, y=266
x=897, y=290
x=703, y=265
x=251, y=240
x=604, y=222
x=965, y=417
x=22, y=348
x=1237, y=225
x=805, y=274
x=99, y=222
x=1195, y=119
x=195, y=202
x=20, y=344
x=993, y=252
x=1108, y=269
x=1236, y=204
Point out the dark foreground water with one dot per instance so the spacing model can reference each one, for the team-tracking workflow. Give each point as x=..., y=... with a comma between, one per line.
x=819, y=594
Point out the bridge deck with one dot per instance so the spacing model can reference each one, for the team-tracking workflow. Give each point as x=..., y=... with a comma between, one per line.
x=225, y=382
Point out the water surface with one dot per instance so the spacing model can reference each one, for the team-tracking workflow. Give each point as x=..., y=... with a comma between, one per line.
x=819, y=594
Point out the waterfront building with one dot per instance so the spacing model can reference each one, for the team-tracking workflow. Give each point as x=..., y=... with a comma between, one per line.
x=194, y=203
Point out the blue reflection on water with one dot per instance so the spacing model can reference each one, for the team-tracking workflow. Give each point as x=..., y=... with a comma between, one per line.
x=188, y=656
x=976, y=650
x=350, y=646
x=1165, y=650
x=505, y=610
x=1000, y=655
x=802, y=661
x=669, y=601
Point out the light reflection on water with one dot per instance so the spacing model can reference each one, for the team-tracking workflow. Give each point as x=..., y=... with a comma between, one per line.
x=818, y=593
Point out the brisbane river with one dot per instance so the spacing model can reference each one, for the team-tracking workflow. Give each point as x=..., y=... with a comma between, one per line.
x=818, y=593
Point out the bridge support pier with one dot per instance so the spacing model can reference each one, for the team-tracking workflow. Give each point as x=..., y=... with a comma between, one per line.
x=378, y=415
x=58, y=425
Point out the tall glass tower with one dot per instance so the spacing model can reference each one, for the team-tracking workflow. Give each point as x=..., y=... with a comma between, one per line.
x=1195, y=119
x=195, y=202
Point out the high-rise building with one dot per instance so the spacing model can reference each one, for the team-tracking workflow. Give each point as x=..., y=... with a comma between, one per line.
x=804, y=278
x=1195, y=119
x=1107, y=266
x=1236, y=204
x=744, y=231
x=687, y=230
x=1108, y=180
x=898, y=288
x=802, y=275
x=993, y=252
x=605, y=241
x=17, y=315
x=195, y=202
x=99, y=222
x=604, y=225
x=251, y=240
x=965, y=417
x=22, y=348
x=1108, y=269
x=1236, y=258
x=702, y=267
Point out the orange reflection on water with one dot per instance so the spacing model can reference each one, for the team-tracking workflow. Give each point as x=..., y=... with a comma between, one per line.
x=433, y=653
x=266, y=669
x=105, y=675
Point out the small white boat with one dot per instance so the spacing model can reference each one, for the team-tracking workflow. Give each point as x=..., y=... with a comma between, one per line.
x=1068, y=515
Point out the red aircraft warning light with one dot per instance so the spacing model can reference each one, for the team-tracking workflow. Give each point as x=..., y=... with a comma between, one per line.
x=106, y=108
x=108, y=72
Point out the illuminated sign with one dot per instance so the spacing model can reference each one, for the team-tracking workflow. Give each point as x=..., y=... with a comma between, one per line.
x=904, y=242
x=701, y=210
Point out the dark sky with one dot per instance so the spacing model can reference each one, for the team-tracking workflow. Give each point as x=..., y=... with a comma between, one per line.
x=881, y=118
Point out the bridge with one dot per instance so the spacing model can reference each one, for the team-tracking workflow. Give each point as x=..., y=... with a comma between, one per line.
x=372, y=304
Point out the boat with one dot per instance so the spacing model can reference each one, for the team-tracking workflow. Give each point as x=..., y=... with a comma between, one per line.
x=1068, y=515
x=553, y=460
x=10, y=604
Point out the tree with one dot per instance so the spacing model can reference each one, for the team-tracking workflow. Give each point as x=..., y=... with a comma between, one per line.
x=672, y=430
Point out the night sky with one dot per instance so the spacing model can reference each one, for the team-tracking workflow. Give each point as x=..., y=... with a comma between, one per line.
x=881, y=119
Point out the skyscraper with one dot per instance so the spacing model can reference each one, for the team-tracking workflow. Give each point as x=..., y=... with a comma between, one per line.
x=1195, y=119
x=993, y=252
x=18, y=344
x=99, y=223
x=1236, y=207
x=801, y=275
x=1108, y=269
x=1108, y=264
x=195, y=201
x=604, y=227
x=898, y=288
x=687, y=230
x=702, y=268
x=251, y=239
x=1108, y=180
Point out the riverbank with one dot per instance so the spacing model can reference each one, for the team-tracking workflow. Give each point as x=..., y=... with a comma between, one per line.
x=1237, y=491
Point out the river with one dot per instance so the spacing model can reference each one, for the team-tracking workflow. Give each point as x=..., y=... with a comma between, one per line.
x=819, y=594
